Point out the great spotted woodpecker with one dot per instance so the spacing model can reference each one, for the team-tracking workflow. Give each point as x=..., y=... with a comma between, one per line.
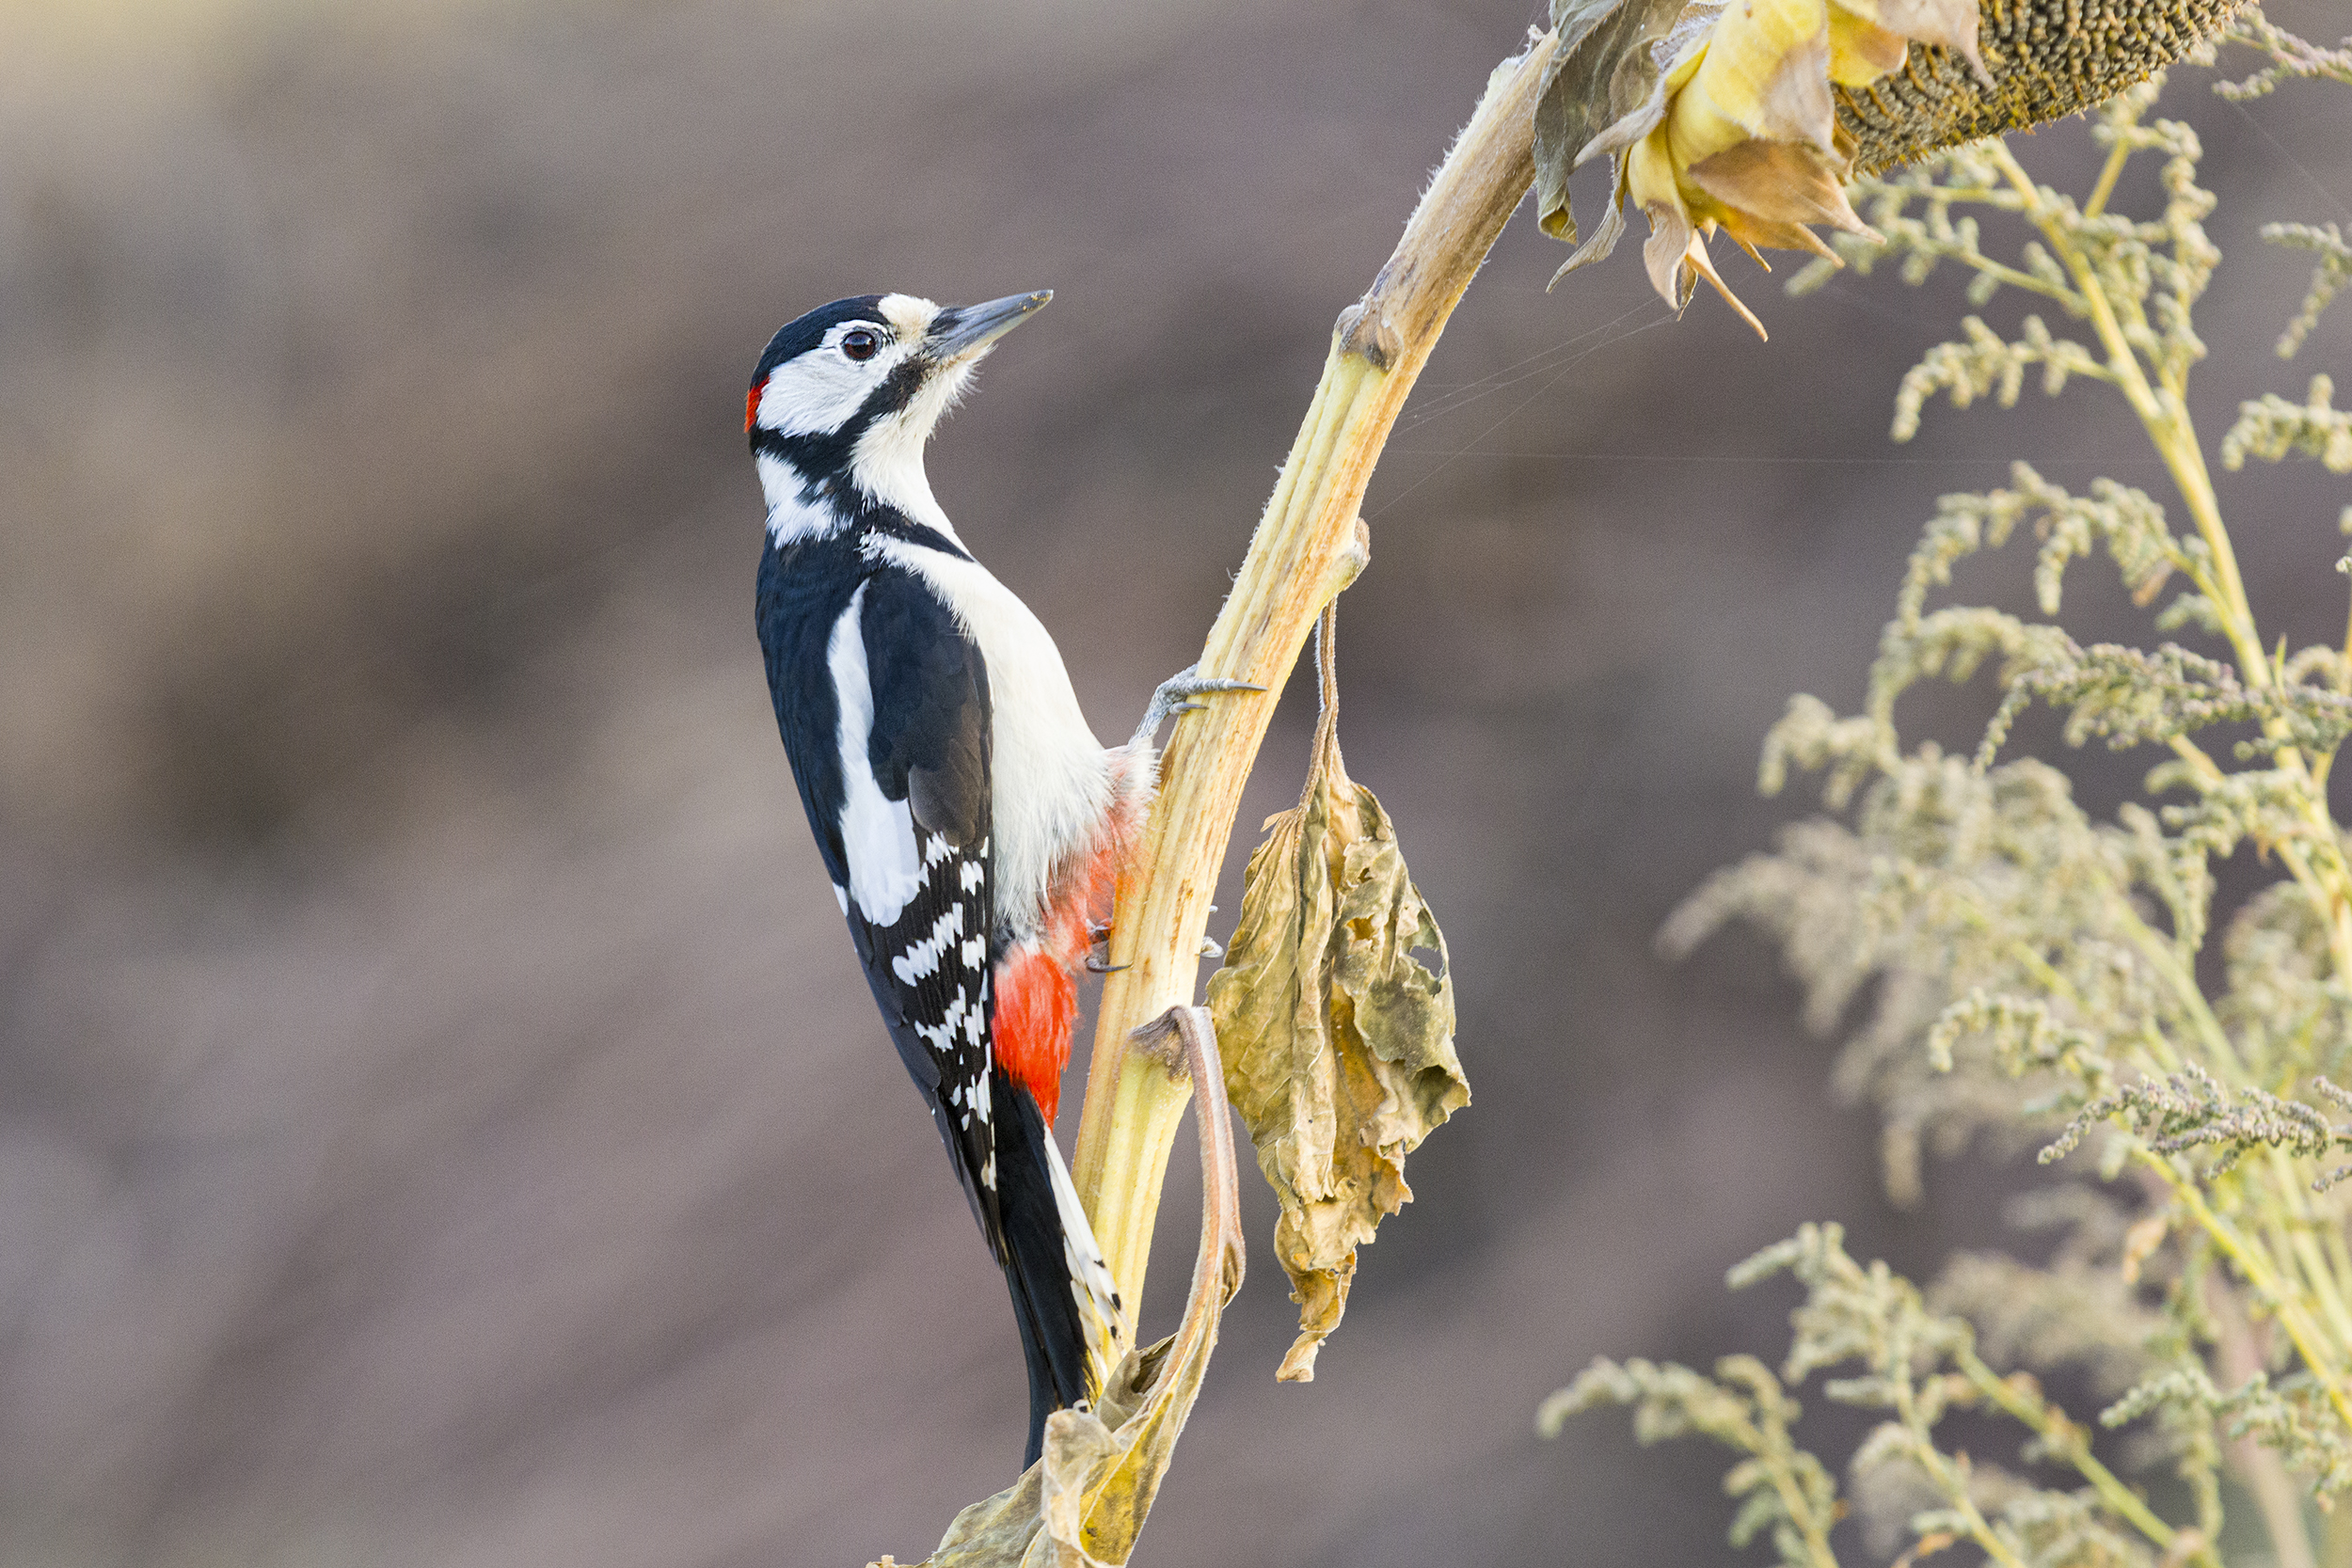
x=972, y=824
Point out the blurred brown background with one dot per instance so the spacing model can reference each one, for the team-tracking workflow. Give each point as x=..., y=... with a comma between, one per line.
x=440, y=1121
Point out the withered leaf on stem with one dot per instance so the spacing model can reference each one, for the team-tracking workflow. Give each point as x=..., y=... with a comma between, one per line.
x=1339, y=1037
x=1046, y=1519
x=1084, y=1502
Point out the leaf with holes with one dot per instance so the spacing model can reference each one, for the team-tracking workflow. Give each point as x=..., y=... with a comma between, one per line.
x=1339, y=1035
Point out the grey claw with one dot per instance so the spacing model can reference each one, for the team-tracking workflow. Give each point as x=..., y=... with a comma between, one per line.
x=1098, y=967
x=1177, y=695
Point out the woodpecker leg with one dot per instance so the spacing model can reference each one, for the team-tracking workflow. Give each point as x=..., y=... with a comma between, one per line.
x=1176, y=695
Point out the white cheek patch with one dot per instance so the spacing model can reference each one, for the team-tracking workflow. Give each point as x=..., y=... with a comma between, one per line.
x=817, y=392
x=877, y=833
x=822, y=390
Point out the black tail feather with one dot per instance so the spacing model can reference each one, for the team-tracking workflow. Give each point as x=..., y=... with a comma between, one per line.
x=1036, y=1260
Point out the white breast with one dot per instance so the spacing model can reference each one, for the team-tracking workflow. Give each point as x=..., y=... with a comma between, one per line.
x=1052, y=784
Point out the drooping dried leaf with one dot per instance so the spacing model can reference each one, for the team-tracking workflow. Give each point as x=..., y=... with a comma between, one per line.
x=1084, y=1502
x=1339, y=1035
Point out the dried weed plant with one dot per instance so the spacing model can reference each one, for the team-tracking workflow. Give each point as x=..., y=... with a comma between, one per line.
x=2025, y=971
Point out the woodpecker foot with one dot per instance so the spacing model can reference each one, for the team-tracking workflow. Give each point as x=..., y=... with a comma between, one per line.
x=1177, y=695
x=1209, y=949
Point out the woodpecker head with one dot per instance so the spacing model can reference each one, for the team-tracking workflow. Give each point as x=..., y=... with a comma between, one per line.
x=844, y=399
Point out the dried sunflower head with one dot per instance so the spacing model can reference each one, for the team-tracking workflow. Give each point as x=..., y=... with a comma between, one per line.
x=1748, y=115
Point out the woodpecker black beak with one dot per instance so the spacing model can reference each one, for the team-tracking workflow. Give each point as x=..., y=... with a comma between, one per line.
x=964, y=330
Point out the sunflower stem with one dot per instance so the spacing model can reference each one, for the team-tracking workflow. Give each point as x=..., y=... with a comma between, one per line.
x=1308, y=546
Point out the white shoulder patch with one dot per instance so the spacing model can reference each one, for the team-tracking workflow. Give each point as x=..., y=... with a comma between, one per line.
x=877, y=833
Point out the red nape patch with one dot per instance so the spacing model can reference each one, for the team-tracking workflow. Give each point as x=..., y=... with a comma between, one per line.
x=750, y=409
x=1036, y=1005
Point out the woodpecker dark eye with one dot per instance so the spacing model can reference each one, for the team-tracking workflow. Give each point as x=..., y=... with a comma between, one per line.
x=860, y=344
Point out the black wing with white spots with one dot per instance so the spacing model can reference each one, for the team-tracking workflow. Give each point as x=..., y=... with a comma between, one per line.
x=928, y=958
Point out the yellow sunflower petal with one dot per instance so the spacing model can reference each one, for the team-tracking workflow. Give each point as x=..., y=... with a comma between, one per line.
x=1649, y=176
x=1765, y=73
x=1861, y=50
